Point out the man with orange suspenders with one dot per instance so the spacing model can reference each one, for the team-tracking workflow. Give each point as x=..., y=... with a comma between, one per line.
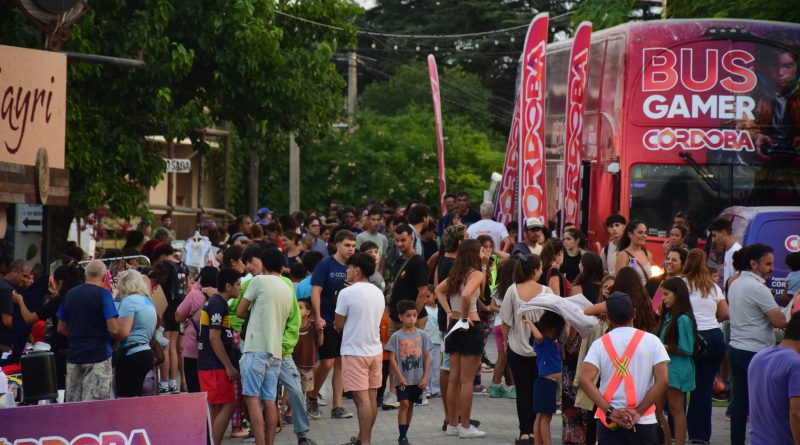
x=633, y=375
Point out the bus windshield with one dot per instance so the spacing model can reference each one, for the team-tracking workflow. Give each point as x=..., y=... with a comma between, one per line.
x=659, y=191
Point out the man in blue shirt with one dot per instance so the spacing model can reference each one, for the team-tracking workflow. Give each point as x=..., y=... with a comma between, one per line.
x=88, y=318
x=326, y=282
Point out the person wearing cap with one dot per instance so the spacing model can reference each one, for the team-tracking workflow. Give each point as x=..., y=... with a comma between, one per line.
x=530, y=244
x=264, y=216
x=633, y=375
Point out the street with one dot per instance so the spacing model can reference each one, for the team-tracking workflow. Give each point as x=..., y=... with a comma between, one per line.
x=498, y=418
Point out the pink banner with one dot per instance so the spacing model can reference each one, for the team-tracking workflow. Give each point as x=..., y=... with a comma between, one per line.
x=532, y=186
x=179, y=418
x=437, y=115
x=573, y=128
x=506, y=202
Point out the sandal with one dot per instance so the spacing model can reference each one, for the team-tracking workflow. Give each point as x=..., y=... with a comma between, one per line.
x=244, y=432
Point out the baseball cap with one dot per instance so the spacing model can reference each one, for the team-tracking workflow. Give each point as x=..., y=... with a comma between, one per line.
x=619, y=307
x=532, y=222
x=264, y=211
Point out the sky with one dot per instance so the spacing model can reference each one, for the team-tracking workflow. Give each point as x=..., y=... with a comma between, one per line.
x=367, y=4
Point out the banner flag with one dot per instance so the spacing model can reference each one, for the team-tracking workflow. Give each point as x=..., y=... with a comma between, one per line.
x=532, y=185
x=573, y=128
x=437, y=114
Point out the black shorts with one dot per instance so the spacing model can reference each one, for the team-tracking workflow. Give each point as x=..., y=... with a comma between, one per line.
x=170, y=325
x=544, y=395
x=464, y=341
x=410, y=392
x=331, y=343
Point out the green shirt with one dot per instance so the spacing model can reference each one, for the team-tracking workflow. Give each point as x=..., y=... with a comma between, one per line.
x=291, y=333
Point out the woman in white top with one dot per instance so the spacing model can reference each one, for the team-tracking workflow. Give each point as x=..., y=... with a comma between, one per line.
x=632, y=250
x=709, y=307
x=521, y=358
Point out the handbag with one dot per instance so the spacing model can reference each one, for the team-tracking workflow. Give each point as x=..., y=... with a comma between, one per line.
x=700, y=347
x=390, y=285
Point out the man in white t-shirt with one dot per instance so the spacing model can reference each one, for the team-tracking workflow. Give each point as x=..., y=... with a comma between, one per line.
x=625, y=355
x=722, y=240
x=359, y=309
x=487, y=226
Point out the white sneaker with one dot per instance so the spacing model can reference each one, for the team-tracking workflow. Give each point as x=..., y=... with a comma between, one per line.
x=470, y=433
x=423, y=401
x=390, y=401
x=452, y=430
x=321, y=400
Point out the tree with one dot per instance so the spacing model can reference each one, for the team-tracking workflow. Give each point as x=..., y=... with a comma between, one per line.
x=210, y=61
x=462, y=93
x=493, y=57
x=394, y=156
x=742, y=9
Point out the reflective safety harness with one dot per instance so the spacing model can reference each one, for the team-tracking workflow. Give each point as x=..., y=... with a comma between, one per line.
x=621, y=374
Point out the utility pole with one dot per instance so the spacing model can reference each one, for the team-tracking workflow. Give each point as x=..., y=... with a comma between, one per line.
x=294, y=174
x=352, y=83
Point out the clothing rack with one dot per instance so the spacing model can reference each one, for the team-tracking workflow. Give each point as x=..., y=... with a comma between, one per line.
x=118, y=258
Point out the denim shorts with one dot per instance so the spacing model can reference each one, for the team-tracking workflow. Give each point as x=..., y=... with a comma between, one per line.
x=260, y=372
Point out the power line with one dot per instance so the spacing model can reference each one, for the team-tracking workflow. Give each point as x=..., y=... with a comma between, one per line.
x=503, y=112
x=416, y=36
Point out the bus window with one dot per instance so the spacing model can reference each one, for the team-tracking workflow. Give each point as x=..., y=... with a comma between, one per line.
x=659, y=191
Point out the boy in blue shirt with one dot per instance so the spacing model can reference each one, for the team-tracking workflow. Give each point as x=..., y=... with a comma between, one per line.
x=548, y=360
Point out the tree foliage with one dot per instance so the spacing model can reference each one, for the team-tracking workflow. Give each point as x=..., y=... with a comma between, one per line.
x=492, y=57
x=389, y=151
x=778, y=10
x=207, y=62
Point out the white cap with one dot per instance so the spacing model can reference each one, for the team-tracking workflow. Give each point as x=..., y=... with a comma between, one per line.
x=532, y=222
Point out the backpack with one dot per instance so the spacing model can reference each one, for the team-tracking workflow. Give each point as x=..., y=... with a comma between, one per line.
x=179, y=283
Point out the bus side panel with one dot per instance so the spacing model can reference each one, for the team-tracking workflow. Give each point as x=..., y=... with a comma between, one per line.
x=779, y=230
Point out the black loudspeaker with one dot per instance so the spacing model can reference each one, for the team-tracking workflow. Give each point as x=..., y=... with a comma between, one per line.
x=39, y=376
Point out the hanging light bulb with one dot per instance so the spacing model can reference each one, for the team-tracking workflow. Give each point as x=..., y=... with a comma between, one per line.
x=436, y=48
x=417, y=47
x=395, y=47
x=477, y=46
x=373, y=45
x=512, y=38
x=496, y=43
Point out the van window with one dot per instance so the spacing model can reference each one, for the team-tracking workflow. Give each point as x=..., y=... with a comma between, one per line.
x=659, y=191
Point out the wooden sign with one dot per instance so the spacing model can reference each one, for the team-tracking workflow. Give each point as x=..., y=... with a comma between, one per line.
x=33, y=105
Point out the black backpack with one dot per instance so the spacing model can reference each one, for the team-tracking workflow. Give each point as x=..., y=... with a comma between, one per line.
x=179, y=283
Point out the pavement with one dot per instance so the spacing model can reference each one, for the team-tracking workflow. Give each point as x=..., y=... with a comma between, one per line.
x=498, y=419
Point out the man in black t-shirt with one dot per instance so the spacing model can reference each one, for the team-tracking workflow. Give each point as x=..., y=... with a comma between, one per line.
x=18, y=273
x=410, y=274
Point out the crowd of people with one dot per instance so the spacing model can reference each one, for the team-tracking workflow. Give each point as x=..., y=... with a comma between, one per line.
x=397, y=305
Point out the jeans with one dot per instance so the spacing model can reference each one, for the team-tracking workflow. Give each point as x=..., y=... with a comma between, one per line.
x=698, y=416
x=259, y=372
x=384, y=376
x=436, y=363
x=739, y=361
x=525, y=372
x=290, y=379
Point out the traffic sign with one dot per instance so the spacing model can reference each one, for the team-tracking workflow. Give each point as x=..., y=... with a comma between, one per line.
x=29, y=218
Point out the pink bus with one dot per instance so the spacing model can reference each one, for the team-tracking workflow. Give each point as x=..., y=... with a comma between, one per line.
x=681, y=115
